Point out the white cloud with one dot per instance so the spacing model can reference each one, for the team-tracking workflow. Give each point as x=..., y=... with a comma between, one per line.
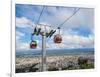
x=19, y=35
x=23, y=22
x=19, y=44
x=76, y=41
x=22, y=45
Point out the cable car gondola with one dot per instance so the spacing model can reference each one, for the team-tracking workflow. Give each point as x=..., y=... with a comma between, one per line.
x=33, y=44
x=57, y=37
x=50, y=33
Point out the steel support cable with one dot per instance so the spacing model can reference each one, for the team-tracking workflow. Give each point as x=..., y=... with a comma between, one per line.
x=37, y=31
x=69, y=18
x=40, y=15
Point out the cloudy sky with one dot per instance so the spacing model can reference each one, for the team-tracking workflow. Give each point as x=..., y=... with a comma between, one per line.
x=78, y=32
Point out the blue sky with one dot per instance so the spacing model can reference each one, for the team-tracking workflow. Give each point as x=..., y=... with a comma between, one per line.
x=78, y=32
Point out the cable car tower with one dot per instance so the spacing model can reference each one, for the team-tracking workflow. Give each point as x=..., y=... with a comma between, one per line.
x=38, y=31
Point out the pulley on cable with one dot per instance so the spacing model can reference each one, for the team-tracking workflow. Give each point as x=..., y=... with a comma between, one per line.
x=37, y=31
x=50, y=33
x=33, y=43
x=57, y=37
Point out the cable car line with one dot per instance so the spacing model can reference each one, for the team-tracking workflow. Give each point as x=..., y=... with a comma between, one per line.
x=58, y=37
x=40, y=15
x=69, y=18
x=38, y=30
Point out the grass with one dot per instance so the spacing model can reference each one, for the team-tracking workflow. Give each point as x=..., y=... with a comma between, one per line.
x=86, y=66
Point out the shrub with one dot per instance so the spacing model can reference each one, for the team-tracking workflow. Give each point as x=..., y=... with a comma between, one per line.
x=53, y=69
